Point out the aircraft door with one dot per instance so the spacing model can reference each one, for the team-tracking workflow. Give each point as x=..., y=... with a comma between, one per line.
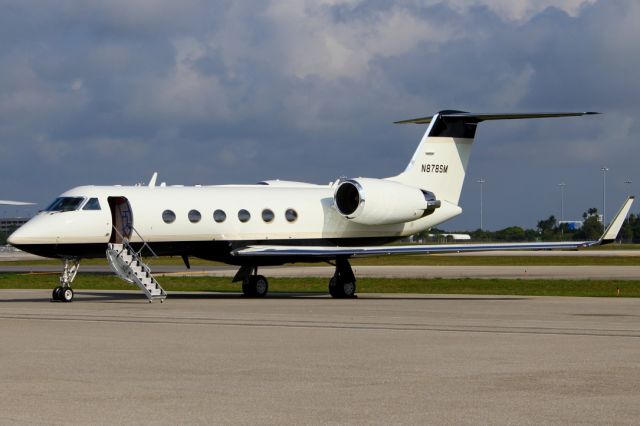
x=121, y=219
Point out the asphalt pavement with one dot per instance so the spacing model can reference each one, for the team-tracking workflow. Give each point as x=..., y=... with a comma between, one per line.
x=111, y=357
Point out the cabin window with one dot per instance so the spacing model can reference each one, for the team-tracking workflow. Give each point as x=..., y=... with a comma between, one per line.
x=92, y=204
x=291, y=215
x=65, y=204
x=267, y=215
x=194, y=216
x=168, y=216
x=244, y=216
x=219, y=216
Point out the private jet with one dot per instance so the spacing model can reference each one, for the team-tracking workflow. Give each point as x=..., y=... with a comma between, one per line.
x=274, y=222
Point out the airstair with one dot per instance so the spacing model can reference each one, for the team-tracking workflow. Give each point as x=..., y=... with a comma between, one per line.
x=127, y=264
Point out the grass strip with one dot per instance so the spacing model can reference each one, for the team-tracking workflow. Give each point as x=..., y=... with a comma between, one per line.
x=576, y=288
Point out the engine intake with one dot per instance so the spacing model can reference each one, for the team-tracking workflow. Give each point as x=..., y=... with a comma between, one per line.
x=382, y=202
x=348, y=197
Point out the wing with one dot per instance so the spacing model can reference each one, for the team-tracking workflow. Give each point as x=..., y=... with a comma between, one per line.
x=608, y=236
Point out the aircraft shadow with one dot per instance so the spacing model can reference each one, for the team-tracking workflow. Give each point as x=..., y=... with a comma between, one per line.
x=89, y=296
x=308, y=296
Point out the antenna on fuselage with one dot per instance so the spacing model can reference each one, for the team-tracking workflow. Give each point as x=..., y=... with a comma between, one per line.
x=152, y=182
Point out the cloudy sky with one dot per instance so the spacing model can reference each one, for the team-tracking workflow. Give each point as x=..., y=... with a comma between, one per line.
x=204, y=92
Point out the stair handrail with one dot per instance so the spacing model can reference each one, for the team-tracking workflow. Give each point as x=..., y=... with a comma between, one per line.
x=144, y=243
x=135, y=256
x=125, y=240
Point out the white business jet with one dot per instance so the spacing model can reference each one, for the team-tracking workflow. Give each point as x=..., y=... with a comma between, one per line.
x=273, y=222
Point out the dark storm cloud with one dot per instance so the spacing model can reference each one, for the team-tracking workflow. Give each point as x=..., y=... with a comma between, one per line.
x=216, y=92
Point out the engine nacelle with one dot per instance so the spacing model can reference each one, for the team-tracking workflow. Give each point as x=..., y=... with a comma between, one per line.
x=382, y=202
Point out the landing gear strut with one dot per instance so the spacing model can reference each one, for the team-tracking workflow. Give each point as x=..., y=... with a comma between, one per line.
x=343, y=283
x=253, y=285
x=64, y=292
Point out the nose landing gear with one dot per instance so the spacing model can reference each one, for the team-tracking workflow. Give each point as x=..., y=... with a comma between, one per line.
x=64, y=292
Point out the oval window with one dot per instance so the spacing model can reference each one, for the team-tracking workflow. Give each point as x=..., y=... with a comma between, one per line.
x=291, y=215
x=244, y=216
x=168, y=216
x=267, y=215
x=194, y=216
x=219, y=216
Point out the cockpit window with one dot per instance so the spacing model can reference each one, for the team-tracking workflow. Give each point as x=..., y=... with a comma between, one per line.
x=92, y=204
x=65, y=204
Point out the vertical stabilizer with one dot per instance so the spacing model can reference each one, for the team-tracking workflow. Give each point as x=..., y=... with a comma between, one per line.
x=440, y=162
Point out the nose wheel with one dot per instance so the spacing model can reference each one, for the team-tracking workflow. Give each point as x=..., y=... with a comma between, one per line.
x=64, y=292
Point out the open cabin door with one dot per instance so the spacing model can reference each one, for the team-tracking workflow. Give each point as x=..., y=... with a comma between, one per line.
x=125, y=261
x=121, y=219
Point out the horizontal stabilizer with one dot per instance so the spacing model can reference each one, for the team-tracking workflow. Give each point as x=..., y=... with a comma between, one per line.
x=477, y=118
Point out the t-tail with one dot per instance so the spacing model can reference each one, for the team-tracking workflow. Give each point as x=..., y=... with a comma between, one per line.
x=440, y=162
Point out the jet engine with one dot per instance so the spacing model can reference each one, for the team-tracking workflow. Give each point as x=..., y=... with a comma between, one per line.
x=382, y=202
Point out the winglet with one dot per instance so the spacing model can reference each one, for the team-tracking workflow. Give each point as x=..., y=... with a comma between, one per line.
x=611, y=233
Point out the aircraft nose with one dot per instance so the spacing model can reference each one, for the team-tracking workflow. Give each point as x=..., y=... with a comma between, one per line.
x=17, y=238
x=35, y=237
x=32, y=232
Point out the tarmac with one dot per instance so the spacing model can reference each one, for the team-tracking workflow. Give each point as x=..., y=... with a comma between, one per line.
x=593, y=272
x=111, y=357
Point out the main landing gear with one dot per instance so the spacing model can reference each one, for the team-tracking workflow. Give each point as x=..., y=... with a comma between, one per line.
x=343, y=283
x=64, y=292
x=253, y=285
x=341, y=286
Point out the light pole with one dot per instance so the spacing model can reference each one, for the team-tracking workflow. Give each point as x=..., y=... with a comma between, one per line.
x=481, y=182
x=604, y=195
x=562, y=185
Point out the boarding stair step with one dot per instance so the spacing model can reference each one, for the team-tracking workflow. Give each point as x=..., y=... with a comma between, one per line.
x=128, y=265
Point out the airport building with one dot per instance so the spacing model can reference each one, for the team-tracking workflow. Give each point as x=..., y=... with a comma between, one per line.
x=10, y=224
x=574, y=225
